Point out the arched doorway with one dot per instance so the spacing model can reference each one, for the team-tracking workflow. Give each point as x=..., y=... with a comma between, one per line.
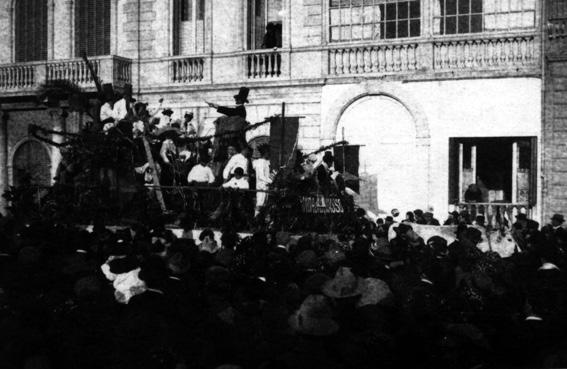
x=31, y=164
x=389, y=161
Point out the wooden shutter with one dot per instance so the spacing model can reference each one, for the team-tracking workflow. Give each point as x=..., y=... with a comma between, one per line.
x=31, y=30
x=453, y=171
x=533, y=172
x=177, y=16
x=92, y=27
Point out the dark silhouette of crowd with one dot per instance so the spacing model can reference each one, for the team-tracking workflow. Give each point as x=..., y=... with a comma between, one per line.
x=140, y=298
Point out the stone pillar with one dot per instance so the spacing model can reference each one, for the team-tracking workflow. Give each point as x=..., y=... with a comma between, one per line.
x=3, y=159
x=59, y=123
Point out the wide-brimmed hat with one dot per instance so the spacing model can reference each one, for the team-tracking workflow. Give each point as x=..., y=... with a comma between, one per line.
x=306, y=260
x=558, y=218
x=374, y=292
x=243, y=93
x=314, y=317
x=169, y=132
x=345, y=284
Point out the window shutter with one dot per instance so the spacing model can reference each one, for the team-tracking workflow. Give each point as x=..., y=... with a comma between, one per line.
x=31, y=30
x=92, y=27
x=533, y=172
x=453, y=171
x=177, y=14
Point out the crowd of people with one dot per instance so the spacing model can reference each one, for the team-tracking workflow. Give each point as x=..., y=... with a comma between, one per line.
x=140, y=297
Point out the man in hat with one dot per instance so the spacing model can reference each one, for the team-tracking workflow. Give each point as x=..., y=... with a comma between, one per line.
x=165, y=119
x=323, y=172
x=188, y=127
x=106, y=110
x=201, y=174
x=555, y=233
x=263, y=178
x=239, y=110
x=123, y=106
x=237, y=160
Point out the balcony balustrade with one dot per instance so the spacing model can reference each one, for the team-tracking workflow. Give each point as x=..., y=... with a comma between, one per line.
x=475, y=53
x=263, y=64
x=373, y=59
x=26, y=77
x=187, y=70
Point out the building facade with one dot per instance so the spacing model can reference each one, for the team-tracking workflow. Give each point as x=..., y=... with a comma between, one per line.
x=440, y=94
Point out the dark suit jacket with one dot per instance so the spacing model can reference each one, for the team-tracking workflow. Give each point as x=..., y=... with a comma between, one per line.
x=239, y=110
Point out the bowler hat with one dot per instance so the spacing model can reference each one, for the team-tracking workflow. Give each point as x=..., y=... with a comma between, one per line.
x=243, y=93
x=167, y=111
x=558, y=217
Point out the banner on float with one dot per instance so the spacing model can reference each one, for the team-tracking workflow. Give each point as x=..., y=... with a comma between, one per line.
x=321, y=205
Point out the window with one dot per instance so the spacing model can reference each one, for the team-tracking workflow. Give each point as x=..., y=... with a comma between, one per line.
x=30, y=30
x=503, y=168
x=31, y=165
x=352, y=20
x=187, y=10
x=92, y=27
x=188, y=26
x=473, y=16
x=264, y=24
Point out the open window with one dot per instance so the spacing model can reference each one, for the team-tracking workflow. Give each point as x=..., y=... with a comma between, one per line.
x=493, y=170
x=265, y=23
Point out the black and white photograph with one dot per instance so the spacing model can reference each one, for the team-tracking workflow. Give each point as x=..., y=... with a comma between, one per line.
x=283, y=184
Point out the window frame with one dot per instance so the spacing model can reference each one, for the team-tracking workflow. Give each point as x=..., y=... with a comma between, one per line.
x=497, y=12
x=381, y=24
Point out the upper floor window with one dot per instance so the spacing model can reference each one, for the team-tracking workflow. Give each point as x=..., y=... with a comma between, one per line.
x=352, y=20
x=264, y=24
x=30, y=30
x=92, y=27
x=189, y=26
x=190, y=7
x=472, y=16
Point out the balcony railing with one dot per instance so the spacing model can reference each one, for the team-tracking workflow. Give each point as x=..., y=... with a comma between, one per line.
x=263, y=64
x=187, y=70
x=18, y=76
x=373, y=59
x=26, y=77
x=490, y=210
x=474, y=53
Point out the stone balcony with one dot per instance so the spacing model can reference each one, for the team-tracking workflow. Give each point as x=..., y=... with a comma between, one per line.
x=21, y=79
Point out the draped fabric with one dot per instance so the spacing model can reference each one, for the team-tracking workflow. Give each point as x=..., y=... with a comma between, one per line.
x=92, y=27
x=347, y=162
x=31, y=30
x=282, y=140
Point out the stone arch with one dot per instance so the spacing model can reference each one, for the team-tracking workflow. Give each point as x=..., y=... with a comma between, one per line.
x=345, y=99
x=19, y=145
